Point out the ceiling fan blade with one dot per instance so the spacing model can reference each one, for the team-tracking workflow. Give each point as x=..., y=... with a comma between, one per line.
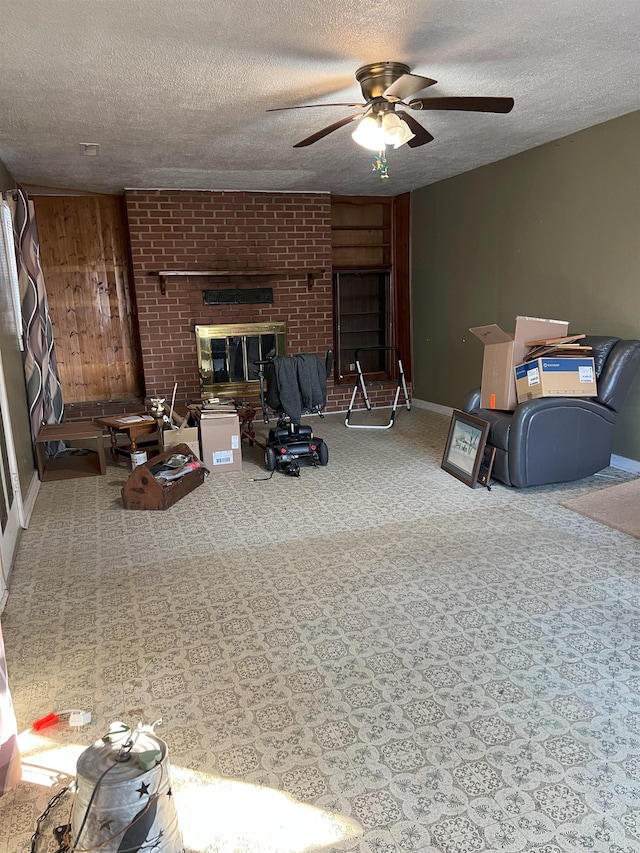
x=478, y=105
x=422, y=135
x=327, y=130
x=308, y=106
x=406, y=85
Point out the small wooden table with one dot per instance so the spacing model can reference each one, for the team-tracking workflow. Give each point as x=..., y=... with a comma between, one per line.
x=246, y=414
x=68, y=467
x=133, y=429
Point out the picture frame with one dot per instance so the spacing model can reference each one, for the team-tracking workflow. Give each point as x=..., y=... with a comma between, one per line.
x=486, y=466
x=464, y=450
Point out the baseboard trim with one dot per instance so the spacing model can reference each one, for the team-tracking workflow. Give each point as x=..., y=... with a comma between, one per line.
x=29, y=499
x=433, y=407
x=624, y=464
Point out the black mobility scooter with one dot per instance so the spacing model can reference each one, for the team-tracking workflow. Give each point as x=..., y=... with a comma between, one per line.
x=292, y=386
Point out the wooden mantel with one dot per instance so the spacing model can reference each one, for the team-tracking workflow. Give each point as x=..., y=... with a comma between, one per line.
x=311, y=274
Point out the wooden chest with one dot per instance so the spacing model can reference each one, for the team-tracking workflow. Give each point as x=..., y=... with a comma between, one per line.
x=143, y=491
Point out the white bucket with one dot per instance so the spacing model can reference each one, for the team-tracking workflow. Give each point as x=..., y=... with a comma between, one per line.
x=129, y=808
x=138, y=458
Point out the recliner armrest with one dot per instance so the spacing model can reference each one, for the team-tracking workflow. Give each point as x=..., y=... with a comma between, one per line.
x=471, y=401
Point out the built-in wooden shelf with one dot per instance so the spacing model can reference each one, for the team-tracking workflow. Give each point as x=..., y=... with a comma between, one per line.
x=310, y=273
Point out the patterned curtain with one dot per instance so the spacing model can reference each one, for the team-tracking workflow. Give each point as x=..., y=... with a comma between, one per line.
x=44, y=393
x=10, y=770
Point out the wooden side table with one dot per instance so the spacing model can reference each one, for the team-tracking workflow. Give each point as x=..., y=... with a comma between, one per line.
x=246, y=414
x=68, y=467
x=133, y=429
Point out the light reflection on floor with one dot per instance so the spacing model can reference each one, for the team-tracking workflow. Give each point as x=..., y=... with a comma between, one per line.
x=216, y=815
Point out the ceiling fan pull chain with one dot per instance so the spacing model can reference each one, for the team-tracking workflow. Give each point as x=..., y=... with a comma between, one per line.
x=380, y=166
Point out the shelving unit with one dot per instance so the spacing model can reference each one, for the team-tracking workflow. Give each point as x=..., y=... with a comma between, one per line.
x=361, y=234
x=363, y=321
x=362, y=241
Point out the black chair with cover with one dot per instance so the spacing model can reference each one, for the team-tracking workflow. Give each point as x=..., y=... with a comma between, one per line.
x=560, y=439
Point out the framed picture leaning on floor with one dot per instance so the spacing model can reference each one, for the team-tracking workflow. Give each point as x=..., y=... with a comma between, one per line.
x=464, y=450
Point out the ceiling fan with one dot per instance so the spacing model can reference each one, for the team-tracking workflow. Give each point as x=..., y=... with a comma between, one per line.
x=385, y=88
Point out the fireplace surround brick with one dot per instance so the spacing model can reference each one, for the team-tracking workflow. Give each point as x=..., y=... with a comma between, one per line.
x=230, y=230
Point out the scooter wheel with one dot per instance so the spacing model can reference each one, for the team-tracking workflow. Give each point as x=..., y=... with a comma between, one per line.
x=323, y=453
x=270, y=458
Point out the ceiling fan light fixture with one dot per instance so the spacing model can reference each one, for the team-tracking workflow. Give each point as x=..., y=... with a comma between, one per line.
x=396, y=131
x=369, y=134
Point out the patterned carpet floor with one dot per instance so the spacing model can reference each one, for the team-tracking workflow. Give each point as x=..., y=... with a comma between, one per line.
x=373, y=657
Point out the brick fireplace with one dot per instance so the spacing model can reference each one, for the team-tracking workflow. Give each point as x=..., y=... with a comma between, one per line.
x=245, y=234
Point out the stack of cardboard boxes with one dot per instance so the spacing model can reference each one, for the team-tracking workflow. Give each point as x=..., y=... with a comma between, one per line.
x=220, y=441
x=538, y=360
x=212, y=432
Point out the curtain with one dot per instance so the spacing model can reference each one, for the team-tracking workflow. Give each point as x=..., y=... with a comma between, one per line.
x=10, y=770
x=44, y=393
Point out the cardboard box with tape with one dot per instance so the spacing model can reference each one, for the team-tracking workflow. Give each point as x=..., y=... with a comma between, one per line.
x=503, y=351
x=220, y=442
x=556, y=377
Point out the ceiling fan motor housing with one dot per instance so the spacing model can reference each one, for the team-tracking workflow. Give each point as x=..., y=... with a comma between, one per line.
x=376, y=78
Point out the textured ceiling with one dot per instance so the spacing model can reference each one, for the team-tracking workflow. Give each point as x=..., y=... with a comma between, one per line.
x=176, y=91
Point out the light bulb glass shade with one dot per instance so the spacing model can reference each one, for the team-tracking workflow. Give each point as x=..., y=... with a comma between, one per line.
x=396, y=132
x=369, y=134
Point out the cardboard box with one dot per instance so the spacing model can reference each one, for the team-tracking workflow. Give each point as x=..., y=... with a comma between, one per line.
x=184, y=435
x=220, y=443
x=504, y=351
x=556, y=377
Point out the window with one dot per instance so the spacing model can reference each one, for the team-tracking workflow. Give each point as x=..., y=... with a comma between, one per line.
x=227, y=355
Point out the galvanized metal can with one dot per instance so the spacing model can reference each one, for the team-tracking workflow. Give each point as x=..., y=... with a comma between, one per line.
x=125, y=806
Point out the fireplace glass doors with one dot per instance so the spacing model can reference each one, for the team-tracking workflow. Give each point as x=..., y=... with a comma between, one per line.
x=227, y=355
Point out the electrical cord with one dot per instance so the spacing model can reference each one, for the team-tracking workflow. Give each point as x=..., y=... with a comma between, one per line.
x=139, y=816
x=262, y=479
x=290, y=469
x=45, y=814
x=77, y=718
x=74, y=845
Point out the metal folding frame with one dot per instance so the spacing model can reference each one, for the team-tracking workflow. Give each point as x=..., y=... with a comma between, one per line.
x=360, y=383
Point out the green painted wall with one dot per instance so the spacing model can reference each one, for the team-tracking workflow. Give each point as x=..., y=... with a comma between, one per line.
x=552, y=232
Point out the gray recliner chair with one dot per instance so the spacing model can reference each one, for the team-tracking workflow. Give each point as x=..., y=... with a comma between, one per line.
x=559, y=439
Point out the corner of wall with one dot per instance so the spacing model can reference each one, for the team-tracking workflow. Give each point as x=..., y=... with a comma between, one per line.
x=29, y=499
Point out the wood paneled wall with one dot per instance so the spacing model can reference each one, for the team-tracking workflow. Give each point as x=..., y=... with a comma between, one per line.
x=84, y=253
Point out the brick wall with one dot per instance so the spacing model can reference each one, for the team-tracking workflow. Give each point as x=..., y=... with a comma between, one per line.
x=189, y=230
